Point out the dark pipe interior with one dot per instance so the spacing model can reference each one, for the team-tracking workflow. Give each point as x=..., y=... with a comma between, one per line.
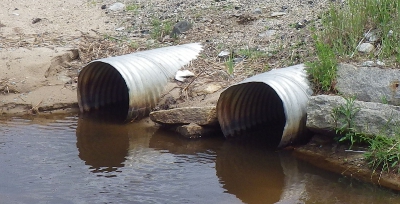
x=104, y=91
x=252, y=113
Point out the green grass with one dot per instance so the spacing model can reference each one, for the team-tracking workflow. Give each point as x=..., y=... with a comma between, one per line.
x=344, y=29
x=383, y=152
x=161, y=28
x=322, y=72
x=230, y=65
x=132, y=7
x=252, y=54
x=345, y=26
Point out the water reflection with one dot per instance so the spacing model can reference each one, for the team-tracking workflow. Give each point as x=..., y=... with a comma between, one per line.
x=103, y=146
x=254, y=175
x=155, y=165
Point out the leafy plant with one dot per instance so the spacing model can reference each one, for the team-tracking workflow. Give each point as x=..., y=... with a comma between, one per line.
x=343, y=116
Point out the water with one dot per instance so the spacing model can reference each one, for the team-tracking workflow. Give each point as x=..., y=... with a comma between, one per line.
x=64, y=159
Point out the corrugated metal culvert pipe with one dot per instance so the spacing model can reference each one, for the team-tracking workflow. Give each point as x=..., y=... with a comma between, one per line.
x=128, y=86
x=273, y=104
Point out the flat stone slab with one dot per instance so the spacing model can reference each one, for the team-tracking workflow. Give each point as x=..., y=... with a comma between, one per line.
x=197, y=115
x=372, y=118
x=370, y=84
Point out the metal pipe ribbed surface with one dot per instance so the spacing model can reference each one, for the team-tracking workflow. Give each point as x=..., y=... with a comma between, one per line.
x=271, y=101
x=131, y=84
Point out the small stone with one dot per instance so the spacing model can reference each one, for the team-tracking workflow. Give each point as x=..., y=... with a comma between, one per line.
x=257, y=11
x=120, y=29
x=276, y=14
x=267, y=34
x=224, y=54
x=380, y=63
x=180, y=27
x=366, y=47
x=103, y=6
x=36, y=20
x=191, y=131
x=372, y=36
x=117, y=7
x=368, y=64
x=390, y=33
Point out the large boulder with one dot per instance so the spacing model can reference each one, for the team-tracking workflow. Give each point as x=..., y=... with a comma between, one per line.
x=372, y=118
x=370, y=84
x=197, y=115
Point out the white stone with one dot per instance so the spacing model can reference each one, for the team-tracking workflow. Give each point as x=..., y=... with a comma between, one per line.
x=380, y=63
x=117, y=7
x=276, y=14
x=366, y=47
x=368, y=64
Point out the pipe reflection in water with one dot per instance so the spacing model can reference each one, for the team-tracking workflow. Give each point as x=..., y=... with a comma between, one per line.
x=103, y=146
x=252, y=177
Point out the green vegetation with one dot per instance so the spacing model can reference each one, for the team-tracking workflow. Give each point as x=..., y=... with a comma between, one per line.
x=344, y=119
x=132, y=7
x=345, y=27
x=230, y=65
x=161, y=28
x=252, y=54
x=383, y=151
x=323, y=72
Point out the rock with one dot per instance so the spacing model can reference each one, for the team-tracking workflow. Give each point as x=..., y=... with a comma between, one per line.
x=276, y=14
x=103, y=6
x=366, y=47
x=380, y=63
x=120, y=29
x=206, y=89
x=372, y=118
x=193, y=131
x=36, y=20
x=368, y=64
x=117, y=7
x=257, y=11
x=372, y=36
x=179, y=28
x=369, y=83
x=267, y=34
x=224, y=54
x=197, y=115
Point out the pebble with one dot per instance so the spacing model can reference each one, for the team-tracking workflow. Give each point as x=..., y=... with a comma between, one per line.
x=368, y=64
x=257, y=11
x=380, y=63
x=366, y=47
x=120, y=29
x=276, y=14
x=267, y=34
x=224, y=54
x=117, y=7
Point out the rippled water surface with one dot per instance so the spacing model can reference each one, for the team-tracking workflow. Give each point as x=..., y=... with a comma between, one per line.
x=72, y=160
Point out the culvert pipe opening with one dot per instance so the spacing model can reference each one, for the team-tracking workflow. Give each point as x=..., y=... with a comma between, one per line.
x=253, y=110
x=102, y=91
x=270, y=107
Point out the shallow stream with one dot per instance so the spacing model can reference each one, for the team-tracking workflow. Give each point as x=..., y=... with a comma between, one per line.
x=66, y=159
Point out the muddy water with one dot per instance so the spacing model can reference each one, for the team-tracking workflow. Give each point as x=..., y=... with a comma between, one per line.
x=72, y=160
